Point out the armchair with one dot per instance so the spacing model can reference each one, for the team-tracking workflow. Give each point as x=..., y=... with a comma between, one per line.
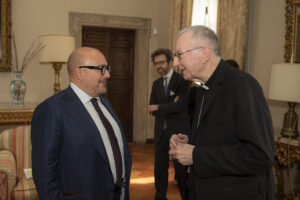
x=15, y=155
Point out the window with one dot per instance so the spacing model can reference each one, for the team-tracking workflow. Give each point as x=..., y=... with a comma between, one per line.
x=205, y=13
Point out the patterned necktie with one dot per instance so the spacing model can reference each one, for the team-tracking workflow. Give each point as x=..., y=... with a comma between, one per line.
x=113, y=141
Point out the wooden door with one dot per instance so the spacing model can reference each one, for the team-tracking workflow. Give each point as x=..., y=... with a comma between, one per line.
x=117, y=45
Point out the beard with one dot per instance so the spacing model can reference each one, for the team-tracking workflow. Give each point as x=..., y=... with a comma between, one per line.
x=162, y=71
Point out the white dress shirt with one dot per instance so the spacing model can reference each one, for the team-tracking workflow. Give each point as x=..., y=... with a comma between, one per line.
x=86, y=101
x=168, y=76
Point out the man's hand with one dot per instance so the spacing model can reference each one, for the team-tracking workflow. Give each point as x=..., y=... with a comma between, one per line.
x=178, y=139
x=180, y=150
x=183, y=153
x=152, y=108
x=176, y=99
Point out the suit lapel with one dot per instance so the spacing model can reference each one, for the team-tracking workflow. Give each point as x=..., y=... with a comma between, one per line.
x=113, y=114
x=108, y=107
x=214, y=90
x=125, y=146
x=172, y=82
x=81, y=116
x=161, y=88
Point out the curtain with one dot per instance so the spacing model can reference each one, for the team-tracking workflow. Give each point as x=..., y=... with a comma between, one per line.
x=180, y=17
x=232, y=27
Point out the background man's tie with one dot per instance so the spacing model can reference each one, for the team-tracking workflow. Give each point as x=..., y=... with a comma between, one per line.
x=166, y=85
x=113, y=141
x=166, y=93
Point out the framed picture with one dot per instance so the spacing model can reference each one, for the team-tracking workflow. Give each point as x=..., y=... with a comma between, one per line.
x=5, y=41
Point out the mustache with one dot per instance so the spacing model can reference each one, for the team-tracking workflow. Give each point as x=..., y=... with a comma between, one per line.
x=108, y=82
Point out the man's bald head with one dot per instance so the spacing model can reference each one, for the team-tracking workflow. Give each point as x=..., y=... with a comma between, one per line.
x=80, y=57
x=91, y=81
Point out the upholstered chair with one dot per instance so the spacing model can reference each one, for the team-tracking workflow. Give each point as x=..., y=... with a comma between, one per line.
x=15, y=156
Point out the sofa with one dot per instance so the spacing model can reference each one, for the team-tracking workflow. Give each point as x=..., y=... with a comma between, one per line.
x=15, y=156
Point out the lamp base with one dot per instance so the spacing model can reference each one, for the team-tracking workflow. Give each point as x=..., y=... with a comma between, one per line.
x=290, y=123
x=57, y=66
x=288, y=132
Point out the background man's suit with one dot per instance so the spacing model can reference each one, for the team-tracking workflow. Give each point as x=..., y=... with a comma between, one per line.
x=234, y=140
x=75, y=164
x=177, y=120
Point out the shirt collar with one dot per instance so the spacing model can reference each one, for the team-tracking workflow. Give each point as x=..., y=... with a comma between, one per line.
x=83, y=96
x=169, y=74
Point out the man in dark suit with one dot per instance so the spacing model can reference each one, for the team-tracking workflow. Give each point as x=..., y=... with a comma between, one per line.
x=168, y=103
x=78, y=146
x=230, y=151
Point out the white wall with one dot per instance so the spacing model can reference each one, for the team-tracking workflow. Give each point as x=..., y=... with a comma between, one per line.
x=32, y=18
x=266, y=47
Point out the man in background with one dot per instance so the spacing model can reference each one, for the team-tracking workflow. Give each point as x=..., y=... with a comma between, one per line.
x=230, y=151
x=168, y=103
x=233, y=63
x=78, y=146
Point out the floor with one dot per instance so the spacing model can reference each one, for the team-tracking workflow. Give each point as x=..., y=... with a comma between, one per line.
x=142, y=174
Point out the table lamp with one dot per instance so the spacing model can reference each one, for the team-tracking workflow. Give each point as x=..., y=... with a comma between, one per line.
x=285, y=86
x=57, y=50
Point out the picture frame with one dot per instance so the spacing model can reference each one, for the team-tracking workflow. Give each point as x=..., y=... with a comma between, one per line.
x=6, y=36
x=292, y=31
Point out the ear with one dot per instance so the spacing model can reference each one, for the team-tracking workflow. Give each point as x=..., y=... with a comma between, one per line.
x=206, y=54
x=171, y=63
x=78, y=73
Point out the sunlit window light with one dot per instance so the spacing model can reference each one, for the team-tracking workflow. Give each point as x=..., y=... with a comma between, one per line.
x=205, y=13
x=146, y=180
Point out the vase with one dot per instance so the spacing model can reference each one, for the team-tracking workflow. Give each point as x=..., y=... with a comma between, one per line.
x=17, y=88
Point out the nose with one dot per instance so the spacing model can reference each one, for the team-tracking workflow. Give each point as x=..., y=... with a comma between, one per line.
x=107, y=74
x=176, y=61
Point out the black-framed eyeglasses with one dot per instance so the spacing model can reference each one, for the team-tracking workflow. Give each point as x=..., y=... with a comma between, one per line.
x=179, y=54
x=159, y=63
x=102, y=68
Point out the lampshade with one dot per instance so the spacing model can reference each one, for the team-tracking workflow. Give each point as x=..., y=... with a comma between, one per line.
x=285, y=82
x=57, y=49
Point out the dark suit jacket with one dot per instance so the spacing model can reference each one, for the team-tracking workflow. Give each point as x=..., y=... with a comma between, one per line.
x=234, y=142
x=175, y=114
x=68, y=154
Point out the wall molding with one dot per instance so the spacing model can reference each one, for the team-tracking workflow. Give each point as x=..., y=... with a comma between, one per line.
x=142, y=27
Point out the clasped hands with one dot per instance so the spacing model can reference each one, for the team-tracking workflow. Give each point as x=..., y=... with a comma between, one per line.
x=180, y=149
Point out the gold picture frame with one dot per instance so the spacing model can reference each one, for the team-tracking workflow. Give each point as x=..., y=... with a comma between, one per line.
x=292, y=34
x=5, y=45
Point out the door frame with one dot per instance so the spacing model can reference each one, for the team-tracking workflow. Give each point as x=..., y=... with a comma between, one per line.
x=142, y=27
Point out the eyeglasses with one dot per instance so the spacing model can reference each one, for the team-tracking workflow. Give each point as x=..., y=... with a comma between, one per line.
x=102, y=68
x=159, y=63
x=178, y=54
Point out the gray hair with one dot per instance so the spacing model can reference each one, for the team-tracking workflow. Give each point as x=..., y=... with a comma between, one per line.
x=201, y=32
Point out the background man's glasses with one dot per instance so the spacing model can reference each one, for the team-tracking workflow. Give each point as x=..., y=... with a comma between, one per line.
x=179, y=54
x=159, y=63
x=102, y=68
